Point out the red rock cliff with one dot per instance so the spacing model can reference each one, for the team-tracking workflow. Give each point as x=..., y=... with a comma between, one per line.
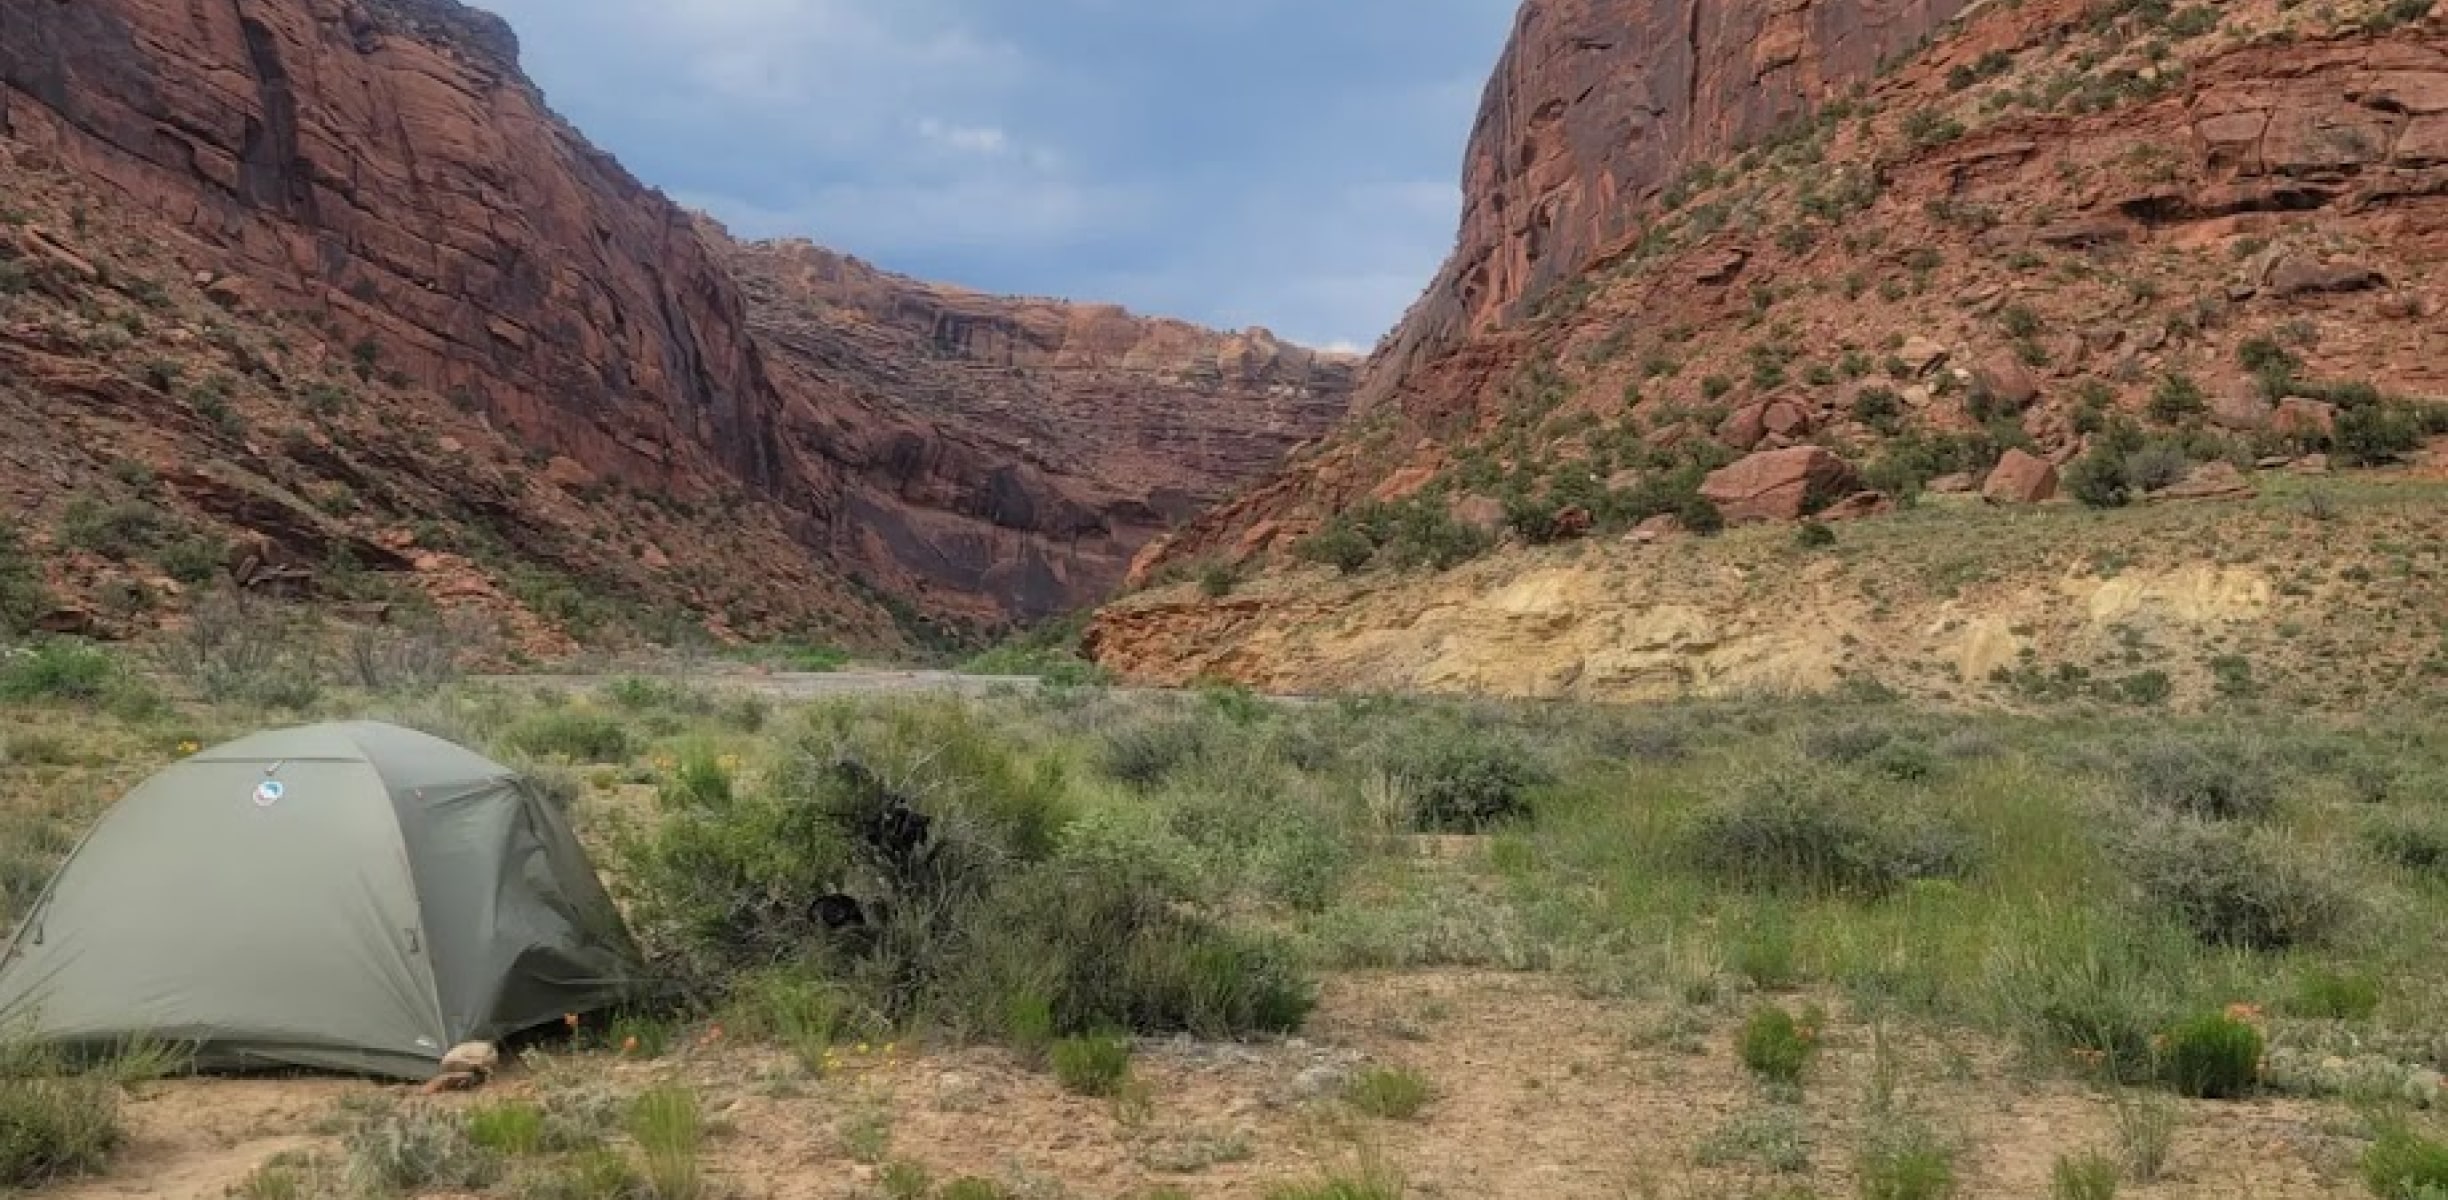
x=1596, y=105
x=384, y=164
x=1007, y=456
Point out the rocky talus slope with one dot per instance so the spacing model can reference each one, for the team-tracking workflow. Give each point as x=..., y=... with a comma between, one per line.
x=325, y=285
x=1009, y=456
x=2133, y=250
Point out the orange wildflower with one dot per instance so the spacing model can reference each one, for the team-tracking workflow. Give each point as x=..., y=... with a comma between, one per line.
x=570, y=1019
x=629, y=1045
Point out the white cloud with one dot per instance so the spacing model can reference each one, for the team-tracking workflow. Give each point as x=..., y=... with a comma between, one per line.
x=977, y=139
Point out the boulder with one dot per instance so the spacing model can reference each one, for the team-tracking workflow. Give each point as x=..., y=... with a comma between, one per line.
x=1656, y=529
x=2297, y=275
x=1920, y=354
x=1744, y=428
x=1574, y=522
x=2305, y=420
x=1779, y=485
x=1859, y=506
x=1719, y=267
x=2021, y=478
x=2209, y=481
x=1776, y=417
x=1485, y=514
x=2241, y=408
x=2004, y=377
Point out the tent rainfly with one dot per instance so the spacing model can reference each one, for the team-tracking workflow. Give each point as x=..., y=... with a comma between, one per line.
x=350, y=897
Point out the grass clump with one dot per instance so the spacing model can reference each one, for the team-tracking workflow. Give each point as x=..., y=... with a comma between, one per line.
x=2404, y=1164
x=2083, y=1177
x=669, y=1129
x=55, y=1124
x=1096, y=1064
x=2335, y=994
x=512, y=1127
x=1394, y=1093
x=596, y=1174
x=1777, y=1046
x=577, y=736
x=1904, y=1159
x=2214, y=1057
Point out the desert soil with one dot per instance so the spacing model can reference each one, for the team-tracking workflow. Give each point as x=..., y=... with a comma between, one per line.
x=1541, y=1090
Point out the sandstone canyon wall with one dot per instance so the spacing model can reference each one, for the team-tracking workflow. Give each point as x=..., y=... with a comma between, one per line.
x=1018, y=452
x=546, y=363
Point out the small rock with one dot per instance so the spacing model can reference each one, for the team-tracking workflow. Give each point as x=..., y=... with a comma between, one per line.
x=1957, y=484
x=2310, y=464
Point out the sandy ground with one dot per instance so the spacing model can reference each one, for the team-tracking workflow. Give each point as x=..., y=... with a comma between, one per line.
x=1541, y=1091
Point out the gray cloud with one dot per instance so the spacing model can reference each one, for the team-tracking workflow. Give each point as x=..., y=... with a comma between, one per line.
x=1277, y=162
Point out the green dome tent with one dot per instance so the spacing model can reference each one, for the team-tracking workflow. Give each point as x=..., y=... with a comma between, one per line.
x=351, y=897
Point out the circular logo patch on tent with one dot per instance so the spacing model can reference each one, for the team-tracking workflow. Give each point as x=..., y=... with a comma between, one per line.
x=269, y=793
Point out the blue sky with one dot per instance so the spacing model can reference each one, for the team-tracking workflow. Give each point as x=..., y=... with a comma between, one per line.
x=1287, y=163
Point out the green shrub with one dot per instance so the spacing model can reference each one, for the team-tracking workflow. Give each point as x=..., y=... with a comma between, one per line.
x=2415, y=841
x=958, y=907
x=1094, y=1064
x=1217, y=580
x=2331, y=993
x=1145, y=755
x=2374, y=435
x=119, y=531
x=193, y=559
x=2156, y=465
x=23, y=598
x=2232, y=888
x=2083, y=1177
x=414, y=1148
x=2214, y=1057
x=1795, y=829
x=1777, y=1047
x=53, y=1125
x=2403, y=1164
x=1339, y=544
x=2098, y=479
x=578, y=736
x=1814, y=535
x=699, y=780
x=2220, y=778
x=1468, y=783
x=1394, y=1093
x=61, y=669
